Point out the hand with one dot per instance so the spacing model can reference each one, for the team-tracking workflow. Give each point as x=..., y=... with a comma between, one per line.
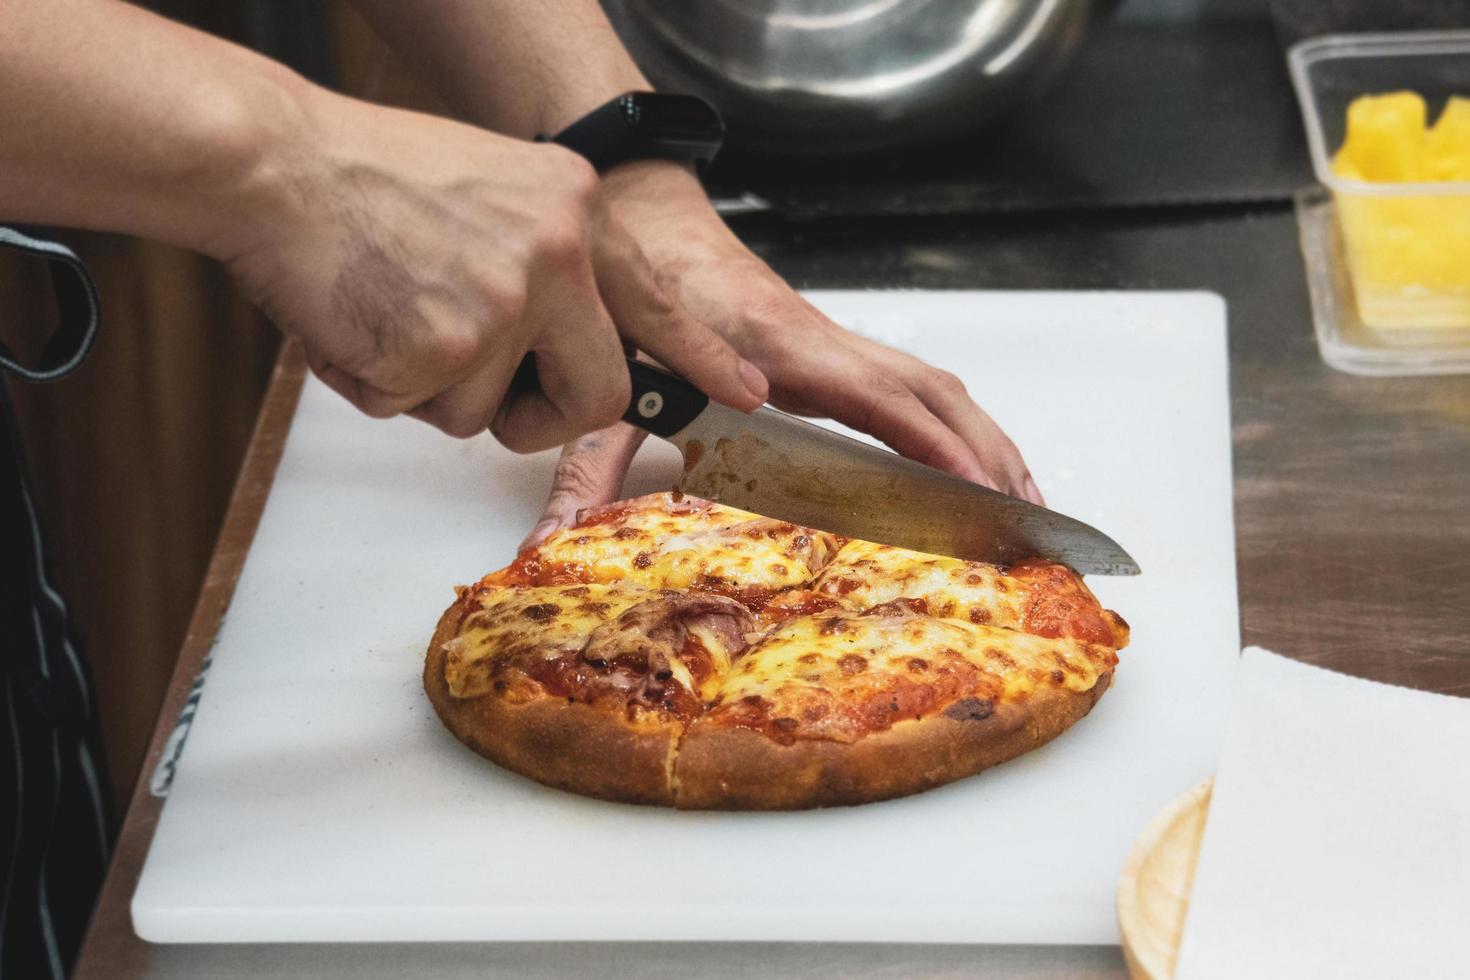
x=419, y=260
x=814, y=366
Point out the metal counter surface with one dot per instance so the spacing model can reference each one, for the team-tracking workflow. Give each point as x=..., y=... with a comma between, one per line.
x=1352, y=500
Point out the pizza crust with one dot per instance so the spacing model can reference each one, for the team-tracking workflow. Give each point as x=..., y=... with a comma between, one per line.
x=569, y=746
x=727, y=768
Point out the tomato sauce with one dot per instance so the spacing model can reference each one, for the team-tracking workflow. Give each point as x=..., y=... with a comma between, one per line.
x=1058, y=604
x=869, y=703
x=611, y=515
x=568, y=676
x=529, y=568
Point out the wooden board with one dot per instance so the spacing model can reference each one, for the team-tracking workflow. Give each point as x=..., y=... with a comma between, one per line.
x=1153, y=892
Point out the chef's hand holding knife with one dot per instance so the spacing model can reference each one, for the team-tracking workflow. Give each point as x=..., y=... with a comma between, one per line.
x=815, y=367
x=493, y=68
x=419, y=259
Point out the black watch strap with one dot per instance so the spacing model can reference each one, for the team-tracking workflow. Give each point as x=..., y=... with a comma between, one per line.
x=645, y=126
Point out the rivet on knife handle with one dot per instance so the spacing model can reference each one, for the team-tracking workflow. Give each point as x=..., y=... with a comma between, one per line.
x=662, y=403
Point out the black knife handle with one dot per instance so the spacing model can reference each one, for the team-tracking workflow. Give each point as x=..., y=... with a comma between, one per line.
x=662, y=403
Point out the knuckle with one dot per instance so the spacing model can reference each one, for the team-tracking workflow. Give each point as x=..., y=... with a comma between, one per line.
x=455, y=411
x=940, y=455
x=607, y=409
x=511, y=432
x=377, y=406
x=458, y=348
x=949, y=383
x=605, y=406
x=579, y=178
x=375, y=410
x=505, y=299
x=882, y=387
x=462, y=425
x=561, y=239
x=660, y=314
x=515, y=439
x=768, y=315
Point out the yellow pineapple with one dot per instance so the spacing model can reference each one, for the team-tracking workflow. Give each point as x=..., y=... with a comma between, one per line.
x=1409, y=255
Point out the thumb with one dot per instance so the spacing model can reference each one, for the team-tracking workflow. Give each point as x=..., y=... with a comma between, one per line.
x=590, y=473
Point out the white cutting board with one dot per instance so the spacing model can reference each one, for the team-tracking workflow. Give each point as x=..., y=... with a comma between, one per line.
x=319, y=799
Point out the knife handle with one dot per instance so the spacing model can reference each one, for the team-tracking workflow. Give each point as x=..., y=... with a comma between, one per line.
x=662, y=403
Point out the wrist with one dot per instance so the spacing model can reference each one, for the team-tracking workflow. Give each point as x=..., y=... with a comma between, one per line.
x=552, y=115
x=654, y=182
x=262, y=142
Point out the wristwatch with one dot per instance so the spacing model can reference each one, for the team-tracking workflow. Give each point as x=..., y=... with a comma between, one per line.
x=645, y=126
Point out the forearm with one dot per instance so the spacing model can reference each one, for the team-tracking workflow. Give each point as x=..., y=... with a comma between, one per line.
x=118, y=120
x=512, y=66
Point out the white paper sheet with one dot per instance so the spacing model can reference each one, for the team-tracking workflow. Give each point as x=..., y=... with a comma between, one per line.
x=1338, y=840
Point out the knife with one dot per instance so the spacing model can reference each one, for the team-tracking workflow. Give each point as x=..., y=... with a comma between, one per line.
x=781, y=466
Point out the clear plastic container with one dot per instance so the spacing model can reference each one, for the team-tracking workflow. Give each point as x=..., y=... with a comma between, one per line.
x=1406, y=246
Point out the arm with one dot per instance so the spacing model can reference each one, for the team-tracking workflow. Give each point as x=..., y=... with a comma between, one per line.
x=98, y=136
x=533, y=68
x=417, y=259
x=511, y=66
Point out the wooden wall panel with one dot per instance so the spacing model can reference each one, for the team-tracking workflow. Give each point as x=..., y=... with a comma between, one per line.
x=133, y=457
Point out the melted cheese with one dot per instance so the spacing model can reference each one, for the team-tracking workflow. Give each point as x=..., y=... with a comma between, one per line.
x=1036, y=597
x=947, y=634
x=865, y=575
x=647, y=544
x=839, y=677
x=720, y=657
x=549, y=620
x=810, y=652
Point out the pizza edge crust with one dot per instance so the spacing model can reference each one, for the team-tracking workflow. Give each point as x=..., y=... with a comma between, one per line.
x=574, y=746
x=719, y=768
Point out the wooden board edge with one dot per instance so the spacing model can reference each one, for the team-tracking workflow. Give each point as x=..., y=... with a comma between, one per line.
x=1153, y=890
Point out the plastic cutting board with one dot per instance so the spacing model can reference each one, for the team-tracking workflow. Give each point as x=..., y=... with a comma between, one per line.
x=319, y=799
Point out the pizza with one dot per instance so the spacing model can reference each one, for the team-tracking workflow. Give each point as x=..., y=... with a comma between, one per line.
x=671, y=651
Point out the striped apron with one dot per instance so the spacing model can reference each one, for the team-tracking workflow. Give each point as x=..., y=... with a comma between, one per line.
x=56, y=820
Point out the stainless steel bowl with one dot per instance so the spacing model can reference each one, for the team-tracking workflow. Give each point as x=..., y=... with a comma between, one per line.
x=842, y=76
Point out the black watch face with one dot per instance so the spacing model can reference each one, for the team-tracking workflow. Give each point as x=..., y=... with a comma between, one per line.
x=666, y=118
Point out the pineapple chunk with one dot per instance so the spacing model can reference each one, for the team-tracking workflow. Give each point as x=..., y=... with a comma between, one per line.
x=1447, y=144
x=1385, y=136
x=1408, y=255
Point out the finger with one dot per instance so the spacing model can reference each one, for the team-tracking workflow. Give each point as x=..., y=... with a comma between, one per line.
x=945, y=396
x=466, y=409
x=871, y=397
x=590, y=473
x=649, y=315
x=435, y=342
x=582, y=386
x=945, y=429
x=902, y=421
x=368, y=399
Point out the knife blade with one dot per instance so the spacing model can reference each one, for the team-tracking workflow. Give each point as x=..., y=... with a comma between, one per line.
x=784, y=467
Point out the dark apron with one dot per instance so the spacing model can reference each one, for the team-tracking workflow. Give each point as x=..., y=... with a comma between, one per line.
x=56, y=820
